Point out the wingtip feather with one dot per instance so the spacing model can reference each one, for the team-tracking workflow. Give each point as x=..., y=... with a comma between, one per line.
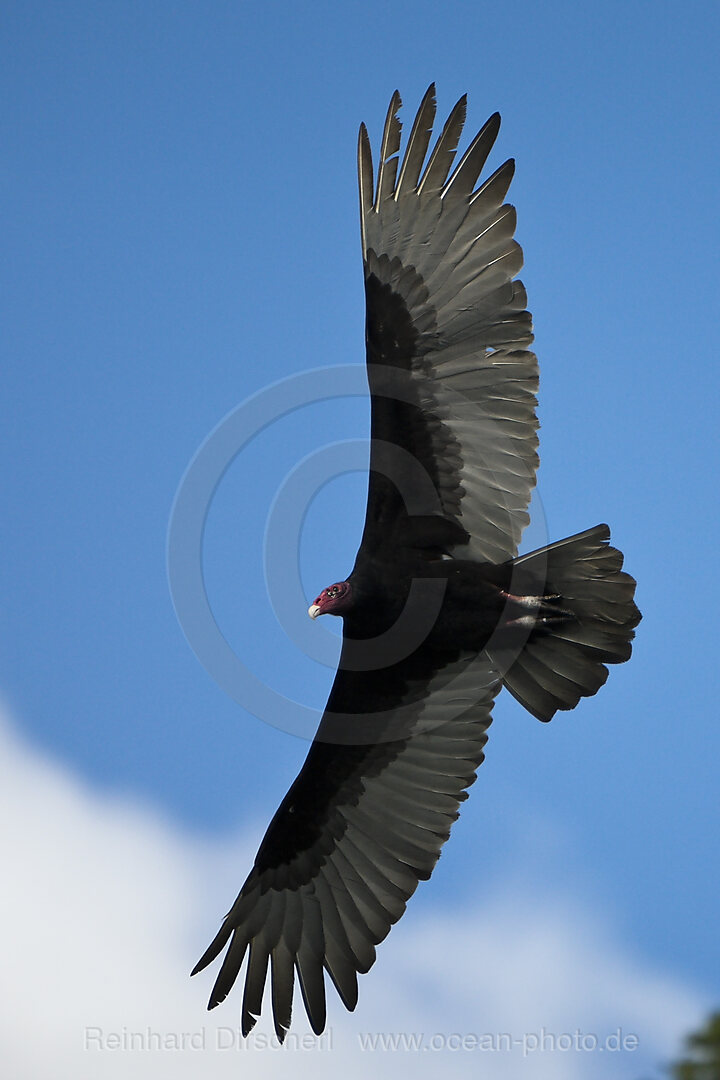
x=443, y=153
x=387, y=169
x=418, y=142
x=466, y=175
x=214, y=949
x=365, y=180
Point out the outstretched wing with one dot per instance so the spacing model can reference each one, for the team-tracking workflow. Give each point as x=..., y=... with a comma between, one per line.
x=363, y=822
x=452, y=382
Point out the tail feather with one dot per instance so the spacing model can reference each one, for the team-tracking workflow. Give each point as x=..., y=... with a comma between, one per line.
x=565, y=660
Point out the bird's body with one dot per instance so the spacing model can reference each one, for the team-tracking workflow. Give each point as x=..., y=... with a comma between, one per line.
x=439, y=611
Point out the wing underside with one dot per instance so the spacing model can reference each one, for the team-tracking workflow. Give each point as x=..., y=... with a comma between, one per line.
x=452, y=380
x=363, y=823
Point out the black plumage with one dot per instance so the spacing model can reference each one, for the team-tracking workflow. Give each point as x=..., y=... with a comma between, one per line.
x=439, y=612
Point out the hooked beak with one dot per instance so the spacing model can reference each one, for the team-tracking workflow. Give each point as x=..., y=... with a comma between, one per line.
x=314, y=611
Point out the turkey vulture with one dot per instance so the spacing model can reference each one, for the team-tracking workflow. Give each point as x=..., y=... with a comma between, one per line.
x=439, y=612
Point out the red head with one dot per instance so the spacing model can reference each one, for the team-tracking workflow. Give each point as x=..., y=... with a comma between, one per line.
x=332, y=601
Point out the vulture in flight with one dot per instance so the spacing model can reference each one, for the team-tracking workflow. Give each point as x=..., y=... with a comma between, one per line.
x=439, y=611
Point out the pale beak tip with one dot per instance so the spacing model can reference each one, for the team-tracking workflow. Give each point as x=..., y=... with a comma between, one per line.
x=314, y=611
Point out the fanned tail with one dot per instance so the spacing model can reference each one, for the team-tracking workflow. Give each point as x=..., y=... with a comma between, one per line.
x=564, y=658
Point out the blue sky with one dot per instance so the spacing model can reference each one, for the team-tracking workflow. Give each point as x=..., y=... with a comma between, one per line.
x=181, y=231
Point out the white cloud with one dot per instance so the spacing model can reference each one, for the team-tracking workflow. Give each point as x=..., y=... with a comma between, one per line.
x=105, y=905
